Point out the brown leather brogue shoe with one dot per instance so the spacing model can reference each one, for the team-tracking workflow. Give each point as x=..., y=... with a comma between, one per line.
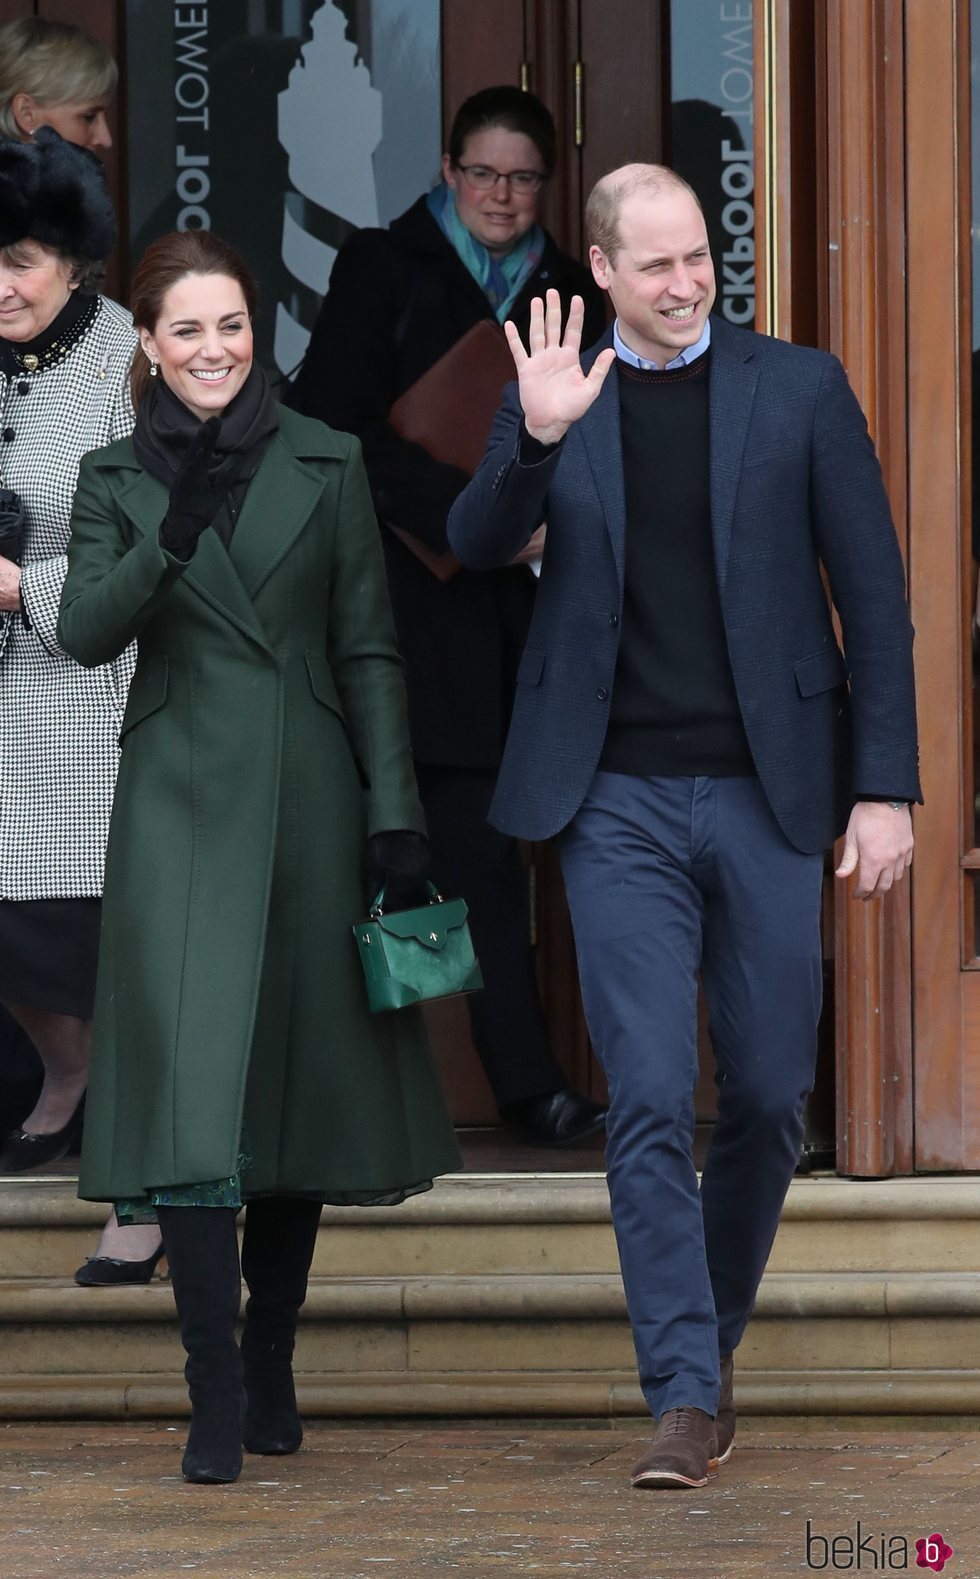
x=680, y=1453
x=725, y=1418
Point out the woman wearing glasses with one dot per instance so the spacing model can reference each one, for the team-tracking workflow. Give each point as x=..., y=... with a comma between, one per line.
x=472, y=249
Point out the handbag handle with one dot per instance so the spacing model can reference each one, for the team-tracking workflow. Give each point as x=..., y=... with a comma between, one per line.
x=376, y=910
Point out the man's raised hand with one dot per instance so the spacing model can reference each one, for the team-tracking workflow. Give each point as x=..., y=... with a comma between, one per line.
x=554, y=390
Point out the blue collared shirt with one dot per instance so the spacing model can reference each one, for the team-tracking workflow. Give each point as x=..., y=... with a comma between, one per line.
x=690, y=353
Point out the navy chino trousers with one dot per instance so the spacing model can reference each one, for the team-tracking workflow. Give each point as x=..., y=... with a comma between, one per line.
x=668, y=879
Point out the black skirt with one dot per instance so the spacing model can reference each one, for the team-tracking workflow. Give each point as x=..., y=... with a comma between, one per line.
x=49, y=951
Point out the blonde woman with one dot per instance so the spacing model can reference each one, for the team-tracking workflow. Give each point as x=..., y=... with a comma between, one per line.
x=54, y=74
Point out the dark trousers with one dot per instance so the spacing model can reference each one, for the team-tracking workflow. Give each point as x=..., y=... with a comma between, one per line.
x=666, y=879
x=474, y=861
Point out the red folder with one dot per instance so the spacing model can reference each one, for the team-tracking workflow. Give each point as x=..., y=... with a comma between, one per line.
x=449, y=411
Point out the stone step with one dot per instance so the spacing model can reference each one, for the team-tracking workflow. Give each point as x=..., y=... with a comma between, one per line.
x=501, y=1295
x=506, y=1323
x=933, y=1398
x=509, y=1296
x=556, y=1223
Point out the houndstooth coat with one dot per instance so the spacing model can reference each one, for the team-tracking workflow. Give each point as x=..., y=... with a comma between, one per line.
x=59, y=723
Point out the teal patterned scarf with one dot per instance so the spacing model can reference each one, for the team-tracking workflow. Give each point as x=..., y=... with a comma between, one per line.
x=500, y=279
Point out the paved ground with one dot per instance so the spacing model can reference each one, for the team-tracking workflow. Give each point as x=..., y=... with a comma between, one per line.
x=91, y=1501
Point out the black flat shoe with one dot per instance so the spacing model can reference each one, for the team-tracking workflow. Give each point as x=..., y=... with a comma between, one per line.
x=23, y=1151
x=561, y=1119
x=101, y=1271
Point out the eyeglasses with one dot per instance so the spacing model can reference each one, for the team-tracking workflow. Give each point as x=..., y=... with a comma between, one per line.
x=485, y=179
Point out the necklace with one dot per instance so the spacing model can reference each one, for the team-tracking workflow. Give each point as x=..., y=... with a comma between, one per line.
x=49, y=355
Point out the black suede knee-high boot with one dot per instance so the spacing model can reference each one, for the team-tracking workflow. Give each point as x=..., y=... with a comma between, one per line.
x=202, y=1249
x=277, y=1249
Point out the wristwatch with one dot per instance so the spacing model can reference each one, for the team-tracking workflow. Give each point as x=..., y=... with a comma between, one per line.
x=898, y=805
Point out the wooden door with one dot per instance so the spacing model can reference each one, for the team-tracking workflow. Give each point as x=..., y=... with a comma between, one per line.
x=893, y=166
x=599, y=65
x=831, y=228
x=943, y=580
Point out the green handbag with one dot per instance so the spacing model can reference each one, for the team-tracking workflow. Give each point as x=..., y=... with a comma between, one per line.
x=412, y=956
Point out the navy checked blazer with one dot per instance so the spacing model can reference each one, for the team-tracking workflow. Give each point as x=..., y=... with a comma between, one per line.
x=795, y=486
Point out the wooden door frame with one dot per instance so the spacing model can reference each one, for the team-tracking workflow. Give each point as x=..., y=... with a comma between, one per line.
x=947, y=984
x=841, y=205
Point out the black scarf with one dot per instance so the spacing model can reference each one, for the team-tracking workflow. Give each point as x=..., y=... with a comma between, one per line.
x=165, y=427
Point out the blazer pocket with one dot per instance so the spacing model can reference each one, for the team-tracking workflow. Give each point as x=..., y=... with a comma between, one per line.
x=780, y=450
x=821, y=671
x=531, y=666
x=147, y=692
x=322, y=683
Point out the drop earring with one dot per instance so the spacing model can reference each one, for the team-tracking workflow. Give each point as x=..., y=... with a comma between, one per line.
x=153, y=370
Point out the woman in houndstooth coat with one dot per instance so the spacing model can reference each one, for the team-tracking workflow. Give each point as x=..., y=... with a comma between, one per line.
x=64, y=358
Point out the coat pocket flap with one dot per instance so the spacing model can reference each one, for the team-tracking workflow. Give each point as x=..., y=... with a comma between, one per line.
x=322, y=682
x=147, y=692
x=431, y=930
x=822, y=671
x=531, y=666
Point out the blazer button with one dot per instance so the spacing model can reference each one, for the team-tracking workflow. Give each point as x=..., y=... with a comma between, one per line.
x=601, y=694
x=23, y=388
x=614, y=620
x=7, y=435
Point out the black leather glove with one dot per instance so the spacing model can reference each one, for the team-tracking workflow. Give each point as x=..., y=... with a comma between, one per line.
x=398, y=861
x=192, y=503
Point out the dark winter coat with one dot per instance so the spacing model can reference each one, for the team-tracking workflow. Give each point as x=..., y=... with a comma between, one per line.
x=264, y=738
x=398, y=301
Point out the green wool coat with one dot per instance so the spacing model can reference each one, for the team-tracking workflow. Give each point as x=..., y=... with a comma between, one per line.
x=264, y=738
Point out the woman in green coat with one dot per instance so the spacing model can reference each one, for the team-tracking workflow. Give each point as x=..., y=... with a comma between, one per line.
x=265, y=786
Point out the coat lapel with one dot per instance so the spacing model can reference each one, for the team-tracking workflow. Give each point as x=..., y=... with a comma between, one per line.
x=600, y=432
x=734, y=376
x=210, y=573
x=280, y=500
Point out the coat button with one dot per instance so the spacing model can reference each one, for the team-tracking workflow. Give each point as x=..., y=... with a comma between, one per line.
x=601, y=694
x=23, y=388
x=614, y=620
x=7, y=435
